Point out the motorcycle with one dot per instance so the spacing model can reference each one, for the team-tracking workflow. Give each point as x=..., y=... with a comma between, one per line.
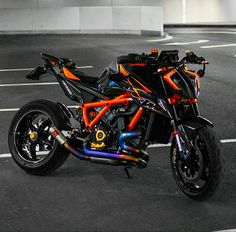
x=139, y=99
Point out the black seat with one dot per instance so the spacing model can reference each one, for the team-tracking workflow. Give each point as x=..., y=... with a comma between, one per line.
x=83, y=77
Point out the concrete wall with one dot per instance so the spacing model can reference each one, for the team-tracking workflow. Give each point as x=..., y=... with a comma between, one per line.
x=172, y=11
x=81, y=16
x=199, y=11
x=213, y=11
x=106, y=16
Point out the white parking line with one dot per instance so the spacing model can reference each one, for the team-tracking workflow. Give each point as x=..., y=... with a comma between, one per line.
x=16, y=109
x=230, y=230
x=30, y=69
x=187, y=43
x=29, y=84
x=228, y=141
x=6, y=155
x=219, y=46
x=9, y=109
x=159, y=40
x=16, y=69
x=204, y=32
x=160, y=145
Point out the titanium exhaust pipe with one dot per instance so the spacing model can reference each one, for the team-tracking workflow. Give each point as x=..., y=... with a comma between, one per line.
x=92, y=155
x=126, y=136
x=61, y=139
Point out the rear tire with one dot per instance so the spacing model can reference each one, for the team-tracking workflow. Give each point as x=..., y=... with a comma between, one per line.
x=207, y=160
x=30, y=144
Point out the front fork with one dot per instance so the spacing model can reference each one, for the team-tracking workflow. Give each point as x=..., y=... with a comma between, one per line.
x=182, y=140
x=180, y=134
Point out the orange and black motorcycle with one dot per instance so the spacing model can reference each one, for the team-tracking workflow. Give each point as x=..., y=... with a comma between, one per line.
x=139, y=99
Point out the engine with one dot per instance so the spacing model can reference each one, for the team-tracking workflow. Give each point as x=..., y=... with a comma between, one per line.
x=106, y=133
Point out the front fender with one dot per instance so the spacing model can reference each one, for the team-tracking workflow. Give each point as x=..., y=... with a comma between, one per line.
x=195, y=122
x=192, y=125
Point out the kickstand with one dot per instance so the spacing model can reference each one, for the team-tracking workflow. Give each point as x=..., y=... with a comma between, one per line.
x=127, y=172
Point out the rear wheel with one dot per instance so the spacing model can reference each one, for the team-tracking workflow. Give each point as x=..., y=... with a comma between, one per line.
x=30, y=143
x=200, y=174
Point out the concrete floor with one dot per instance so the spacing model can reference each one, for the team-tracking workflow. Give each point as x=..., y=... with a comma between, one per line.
x=82, y=196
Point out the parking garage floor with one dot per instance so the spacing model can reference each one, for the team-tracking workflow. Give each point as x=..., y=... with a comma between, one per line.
x=82, y=196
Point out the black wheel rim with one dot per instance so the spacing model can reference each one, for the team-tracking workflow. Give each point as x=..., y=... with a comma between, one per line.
x=193, y=175
x=33, y=141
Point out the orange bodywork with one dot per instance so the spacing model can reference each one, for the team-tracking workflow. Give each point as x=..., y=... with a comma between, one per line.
x=153, y=51
x=167, y=78
x=122, y=70
x=146, y=89
x=135, y=118
x=69, y=74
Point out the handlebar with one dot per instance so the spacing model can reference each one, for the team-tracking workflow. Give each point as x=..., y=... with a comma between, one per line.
x=170, y=59
x=190, y=58
x=193, y=59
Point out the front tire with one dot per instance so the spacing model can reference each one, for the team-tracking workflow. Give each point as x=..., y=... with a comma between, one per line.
x=30, y=143
x=199, y=177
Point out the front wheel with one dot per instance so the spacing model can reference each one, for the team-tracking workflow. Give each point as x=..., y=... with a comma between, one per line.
x=199, y=175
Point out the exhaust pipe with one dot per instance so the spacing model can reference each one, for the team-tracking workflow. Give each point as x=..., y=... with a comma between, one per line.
x=92, y=155
x=128, y=135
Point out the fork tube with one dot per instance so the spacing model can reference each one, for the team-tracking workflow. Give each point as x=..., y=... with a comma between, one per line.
x=176, y=135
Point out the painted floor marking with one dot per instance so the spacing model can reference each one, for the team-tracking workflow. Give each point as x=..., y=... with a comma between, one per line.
x=219, y=46
x=6, y=155
x=16, y=109
x=88, y=66
x=16, y=69
x=30, y=69
x=204, y=32
x=230, y=230
x=29, y=84
x=159, y=40
x=9, y=109
x=228, y=141
x=187, y=43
